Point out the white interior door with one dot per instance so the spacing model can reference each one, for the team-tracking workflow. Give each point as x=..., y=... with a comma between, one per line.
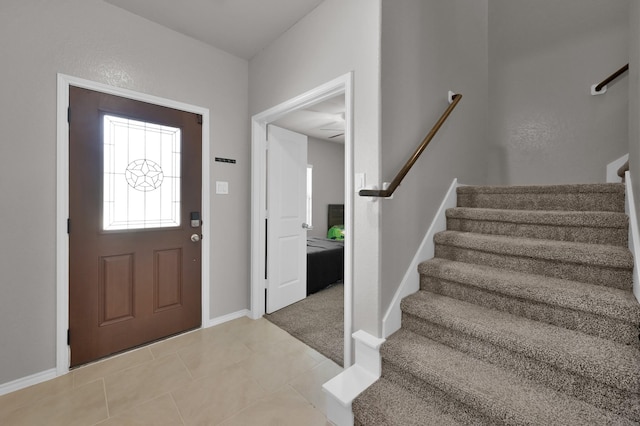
x=286, y=206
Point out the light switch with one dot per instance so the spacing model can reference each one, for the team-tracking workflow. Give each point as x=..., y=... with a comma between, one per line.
x=222, y=187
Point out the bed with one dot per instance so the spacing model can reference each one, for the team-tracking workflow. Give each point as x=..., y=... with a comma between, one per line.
x=325, y=257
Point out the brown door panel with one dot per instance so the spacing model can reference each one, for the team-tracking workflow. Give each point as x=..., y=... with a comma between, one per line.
x=128, y=287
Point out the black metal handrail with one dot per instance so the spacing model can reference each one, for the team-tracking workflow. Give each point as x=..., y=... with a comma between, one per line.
x=612, y=77
x=385, y=193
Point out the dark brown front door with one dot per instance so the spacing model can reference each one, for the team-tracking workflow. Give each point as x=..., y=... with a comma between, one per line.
x=134, y=252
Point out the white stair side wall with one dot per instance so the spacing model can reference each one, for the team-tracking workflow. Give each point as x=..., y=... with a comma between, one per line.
x=634, y=234
x=411, y=281
x=612, y=169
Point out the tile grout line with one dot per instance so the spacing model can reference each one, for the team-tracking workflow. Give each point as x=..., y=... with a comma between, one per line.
x=175, y=404
x=305, y=398
x=106, y=400
x=266, y=394
x=184, y=364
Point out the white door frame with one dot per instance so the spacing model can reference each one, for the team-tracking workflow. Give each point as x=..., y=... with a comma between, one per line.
x=62, y=202
x=259, y=122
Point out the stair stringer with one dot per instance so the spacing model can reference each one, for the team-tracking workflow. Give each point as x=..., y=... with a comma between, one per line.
x=634, y=233
x=391, y=321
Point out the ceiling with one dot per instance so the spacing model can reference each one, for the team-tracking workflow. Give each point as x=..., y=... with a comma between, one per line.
x=243, y=28
x=324, y=120
x=240, y=27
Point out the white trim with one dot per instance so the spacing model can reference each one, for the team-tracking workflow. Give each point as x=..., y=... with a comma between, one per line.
x=368, y=352
x=62, y=202
x=634, y=233
x=226, y=318
x=411, y=280
x=346, y=386
x=259, y=122
x=612, y=169
x=25, y=382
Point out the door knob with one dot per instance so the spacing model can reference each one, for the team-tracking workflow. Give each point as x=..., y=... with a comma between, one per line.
x=307, y=226
x=195, y=238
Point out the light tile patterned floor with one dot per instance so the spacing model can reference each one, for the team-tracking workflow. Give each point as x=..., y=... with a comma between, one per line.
x=243, y=372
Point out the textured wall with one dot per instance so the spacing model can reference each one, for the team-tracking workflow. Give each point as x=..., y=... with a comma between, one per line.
x=544, y=56
x=336, y=38
x=327, y=159
x=93, y=40
x=429, y=48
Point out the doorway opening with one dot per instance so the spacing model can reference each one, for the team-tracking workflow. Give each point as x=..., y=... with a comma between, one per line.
x=341, y=86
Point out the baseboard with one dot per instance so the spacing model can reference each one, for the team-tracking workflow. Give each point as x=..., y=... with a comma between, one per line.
x=226, y=318
x=43, y=376
x=25, y=382
x=411, y=280
x=634, y=233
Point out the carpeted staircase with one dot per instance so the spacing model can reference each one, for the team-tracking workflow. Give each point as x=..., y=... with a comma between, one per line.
x=525, y=316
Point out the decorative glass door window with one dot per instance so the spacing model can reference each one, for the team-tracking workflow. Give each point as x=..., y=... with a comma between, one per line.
x=141, y=174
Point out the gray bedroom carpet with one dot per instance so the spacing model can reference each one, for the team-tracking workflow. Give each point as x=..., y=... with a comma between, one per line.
x=317, y=320
x=524, y=316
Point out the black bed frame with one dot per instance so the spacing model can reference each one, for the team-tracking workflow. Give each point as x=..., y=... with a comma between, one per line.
x=326, y=266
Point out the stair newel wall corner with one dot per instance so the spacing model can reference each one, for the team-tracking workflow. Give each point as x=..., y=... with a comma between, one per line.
x=346, y=386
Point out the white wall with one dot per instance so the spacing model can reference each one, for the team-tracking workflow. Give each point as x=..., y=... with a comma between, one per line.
x=428, y=48
x=634, y=98
x=336, y=38
x=327, y=159
x=93, y=40
x=544, y=57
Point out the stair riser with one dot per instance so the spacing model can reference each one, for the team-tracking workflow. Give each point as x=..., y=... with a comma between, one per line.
x=387, y=403
x=436, y=397
x=608, y=202
x=590, y=235
x=612, y=277
x=596, y=393
x=595, y=325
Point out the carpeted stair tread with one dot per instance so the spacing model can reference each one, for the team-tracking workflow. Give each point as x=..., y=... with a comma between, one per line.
x=605, y=301
x=580, y=197
x=588, y=227
x=386, y=403
x=524, y=316
x=561, y=251
x=603, y=360
x=493, y=391
x=597, y=219
x=589, y=188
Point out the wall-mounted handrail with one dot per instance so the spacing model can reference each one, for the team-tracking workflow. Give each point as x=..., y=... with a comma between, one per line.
x=388, y=192
x=597, y=88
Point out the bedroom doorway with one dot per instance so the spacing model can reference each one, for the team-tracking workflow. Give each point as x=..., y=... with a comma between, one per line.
x=340, y=88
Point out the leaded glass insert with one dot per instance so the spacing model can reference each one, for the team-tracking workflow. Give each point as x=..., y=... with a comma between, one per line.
x=141, y=174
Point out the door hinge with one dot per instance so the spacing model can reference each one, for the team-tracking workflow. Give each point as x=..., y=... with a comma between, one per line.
x=69, y=115
x=68, y=226
x=199, y=119
x=265, y=300
x=68, y=337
